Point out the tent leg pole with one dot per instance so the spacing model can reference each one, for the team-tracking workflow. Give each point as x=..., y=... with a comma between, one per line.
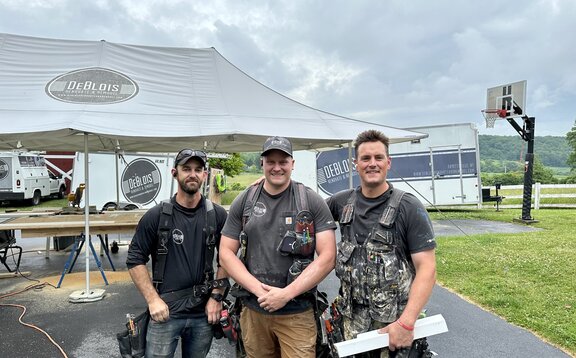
x=87, y=295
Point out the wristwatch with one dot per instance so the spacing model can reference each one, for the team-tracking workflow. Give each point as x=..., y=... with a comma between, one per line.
x=218, y=297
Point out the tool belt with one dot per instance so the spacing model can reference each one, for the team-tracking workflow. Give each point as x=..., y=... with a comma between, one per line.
x=197, y=291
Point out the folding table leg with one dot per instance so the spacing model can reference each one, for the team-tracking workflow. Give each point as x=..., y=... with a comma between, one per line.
x=67, y=264
x=98, y=263
x=78, y=250
x=104, y=247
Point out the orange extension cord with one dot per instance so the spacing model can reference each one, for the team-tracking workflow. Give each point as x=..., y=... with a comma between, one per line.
x=34, y=286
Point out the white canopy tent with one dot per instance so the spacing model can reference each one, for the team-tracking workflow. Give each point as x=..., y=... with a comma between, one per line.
x=183, y=98
x=96, y=95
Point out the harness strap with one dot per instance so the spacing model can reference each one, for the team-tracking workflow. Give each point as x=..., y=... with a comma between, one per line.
x=300, y=196
x=391, y=211
x=251, y=197
x=209, y=233
x=348, y=215
x=164, y=228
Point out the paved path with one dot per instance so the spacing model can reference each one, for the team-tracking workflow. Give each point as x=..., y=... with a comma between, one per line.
x=87, y=330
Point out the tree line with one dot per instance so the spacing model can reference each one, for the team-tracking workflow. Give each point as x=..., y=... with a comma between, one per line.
x=502, y=159
x=551, y=151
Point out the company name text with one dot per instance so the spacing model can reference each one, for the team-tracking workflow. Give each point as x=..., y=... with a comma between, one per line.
x=89, y=85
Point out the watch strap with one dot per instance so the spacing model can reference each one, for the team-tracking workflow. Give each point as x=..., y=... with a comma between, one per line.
x=218, y=297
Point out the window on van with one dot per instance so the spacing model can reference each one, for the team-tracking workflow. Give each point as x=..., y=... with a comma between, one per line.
x=31, y=161
x=23, y=161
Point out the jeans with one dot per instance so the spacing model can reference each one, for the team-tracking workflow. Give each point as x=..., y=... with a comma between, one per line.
x=162, y=337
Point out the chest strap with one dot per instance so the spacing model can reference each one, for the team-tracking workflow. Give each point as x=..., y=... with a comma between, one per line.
x=164, y=230
x=391, y=211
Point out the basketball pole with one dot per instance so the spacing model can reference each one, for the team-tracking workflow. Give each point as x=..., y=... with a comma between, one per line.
x=527, y=134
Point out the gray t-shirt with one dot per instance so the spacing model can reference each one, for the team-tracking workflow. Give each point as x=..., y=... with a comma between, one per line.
x=272, y=217
x=413, y=225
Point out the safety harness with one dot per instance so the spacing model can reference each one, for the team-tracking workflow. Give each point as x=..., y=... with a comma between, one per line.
x=318, y=299
x=383, y=289
x=165, y=227
x=249, y=201
x=220, y=181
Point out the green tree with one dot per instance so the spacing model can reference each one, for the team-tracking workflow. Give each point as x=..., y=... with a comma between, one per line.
x=232, y=166
x=552, y=151
x=251, y=162
x=571, y=138
x=251, y=158
x=542, y=174
x=510, y=178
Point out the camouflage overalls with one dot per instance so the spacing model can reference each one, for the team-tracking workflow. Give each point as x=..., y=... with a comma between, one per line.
x=375, y=276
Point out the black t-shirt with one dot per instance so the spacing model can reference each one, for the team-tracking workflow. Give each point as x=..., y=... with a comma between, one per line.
x=412, y=225
x=186, y=249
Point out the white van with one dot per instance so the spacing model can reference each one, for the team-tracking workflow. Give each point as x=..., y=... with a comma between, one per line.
x=24, y=176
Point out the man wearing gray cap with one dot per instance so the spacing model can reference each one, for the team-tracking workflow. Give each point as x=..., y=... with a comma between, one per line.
x=285, y=233
x=183, y=298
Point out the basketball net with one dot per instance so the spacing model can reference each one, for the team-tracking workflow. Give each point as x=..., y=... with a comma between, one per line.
x=491, y=115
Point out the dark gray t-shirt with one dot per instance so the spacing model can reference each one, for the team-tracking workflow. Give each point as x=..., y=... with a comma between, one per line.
x=413, y=225
x=272, y=217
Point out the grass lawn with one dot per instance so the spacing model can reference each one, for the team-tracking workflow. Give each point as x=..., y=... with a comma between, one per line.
x=558, y=192
x=25, y=205
x=529, y=279
x=244, y=179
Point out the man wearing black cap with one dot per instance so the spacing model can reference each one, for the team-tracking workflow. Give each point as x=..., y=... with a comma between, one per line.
x=181, y=227
x=286, y=250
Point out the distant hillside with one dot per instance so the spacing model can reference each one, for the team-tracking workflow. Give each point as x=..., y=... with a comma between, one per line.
x=552, y=151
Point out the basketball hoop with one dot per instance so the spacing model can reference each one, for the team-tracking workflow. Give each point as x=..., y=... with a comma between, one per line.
x=491, y=115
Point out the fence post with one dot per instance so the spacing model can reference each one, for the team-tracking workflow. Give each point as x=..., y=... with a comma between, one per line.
x=537, y=196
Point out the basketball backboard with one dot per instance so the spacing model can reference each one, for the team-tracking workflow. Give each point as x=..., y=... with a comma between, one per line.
x=510, y=97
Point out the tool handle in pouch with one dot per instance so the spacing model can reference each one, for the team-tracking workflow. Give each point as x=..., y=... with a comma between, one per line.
x=296, y=269
x=294, y=243
x=132, y=327
x=286, y=246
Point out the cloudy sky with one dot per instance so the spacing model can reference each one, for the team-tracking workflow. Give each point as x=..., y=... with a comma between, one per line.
x=400, y=63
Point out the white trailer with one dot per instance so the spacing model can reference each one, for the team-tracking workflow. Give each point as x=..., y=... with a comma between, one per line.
x=131, y=180
x=442, y=169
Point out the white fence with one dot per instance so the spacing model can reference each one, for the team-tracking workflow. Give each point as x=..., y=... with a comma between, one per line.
x=537, y=194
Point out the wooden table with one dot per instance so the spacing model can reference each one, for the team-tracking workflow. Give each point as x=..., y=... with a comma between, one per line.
x=74, y=225
x=48, y=226
x=71, y=225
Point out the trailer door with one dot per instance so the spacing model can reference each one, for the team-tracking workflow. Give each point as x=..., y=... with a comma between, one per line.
x=453, y=171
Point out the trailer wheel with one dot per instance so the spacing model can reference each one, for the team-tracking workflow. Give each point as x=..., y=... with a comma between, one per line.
x=36, y=197
x=61, y=191
x=111, y=205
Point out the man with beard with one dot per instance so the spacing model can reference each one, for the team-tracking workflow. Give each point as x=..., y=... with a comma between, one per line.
x=183, y=298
